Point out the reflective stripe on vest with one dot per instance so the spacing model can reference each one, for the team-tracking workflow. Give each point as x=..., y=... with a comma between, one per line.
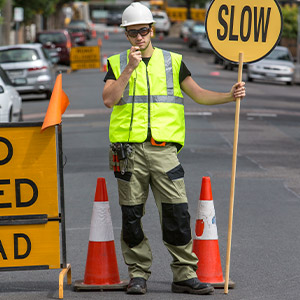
x=154, y=99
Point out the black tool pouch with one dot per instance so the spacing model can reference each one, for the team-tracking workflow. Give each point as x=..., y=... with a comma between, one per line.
x=121, y=160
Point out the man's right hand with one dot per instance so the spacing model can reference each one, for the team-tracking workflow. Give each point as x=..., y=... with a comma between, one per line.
x=135, y=57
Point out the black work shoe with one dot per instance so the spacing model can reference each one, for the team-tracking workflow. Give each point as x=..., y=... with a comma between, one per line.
x=192, y=286
x=137, y=286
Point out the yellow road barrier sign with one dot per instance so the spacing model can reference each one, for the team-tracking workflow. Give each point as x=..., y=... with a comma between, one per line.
x=28, y=164
x=32, y=213
x=250, y=27
x=30, y=245
x=85, y=58
x=29, y=197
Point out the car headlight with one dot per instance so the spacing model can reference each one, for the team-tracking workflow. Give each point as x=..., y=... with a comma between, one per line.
x=44, y=78
x=287, y=70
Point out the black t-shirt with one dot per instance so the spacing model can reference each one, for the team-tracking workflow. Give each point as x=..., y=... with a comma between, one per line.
x=183, y=72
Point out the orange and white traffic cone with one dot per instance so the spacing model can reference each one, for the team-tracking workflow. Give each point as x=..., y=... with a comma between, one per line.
x=106, y=35
x=94, y=33
x=205, y=244
x=104, y=63
x=115, y=29
x=161, y=36
x=101, y=271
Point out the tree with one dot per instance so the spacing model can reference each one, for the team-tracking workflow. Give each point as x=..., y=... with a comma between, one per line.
x=199, y=3
x=194, y=3
x=34, y=7
x=1, y=5
x=290, y=23
x=42, y=7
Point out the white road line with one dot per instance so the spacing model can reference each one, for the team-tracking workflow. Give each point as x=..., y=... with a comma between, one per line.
x=200, y=113
x=73, y=115
x=266, y=115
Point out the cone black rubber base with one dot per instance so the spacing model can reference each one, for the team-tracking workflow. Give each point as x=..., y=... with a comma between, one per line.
x=80, y=286
x=220, y=285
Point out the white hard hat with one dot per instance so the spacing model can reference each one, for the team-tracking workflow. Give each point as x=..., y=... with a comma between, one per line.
x=136, y=13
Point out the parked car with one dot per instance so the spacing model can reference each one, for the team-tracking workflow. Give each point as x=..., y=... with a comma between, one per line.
x=29, y=67
x=185, y=28
x=218, y=60
x=278, y=66
x=202, y=43
x=162, y=22
x=198, y=28
x=78, y=36
x=114, y=18
x=58, y=42
x=84, y=26
x=228, y=65
x=10, y=100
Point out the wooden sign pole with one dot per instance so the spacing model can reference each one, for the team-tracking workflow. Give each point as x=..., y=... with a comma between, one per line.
x=233, y=173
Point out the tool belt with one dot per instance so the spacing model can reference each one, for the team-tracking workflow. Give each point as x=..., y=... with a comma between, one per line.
x=119, y=157
x=120, y=153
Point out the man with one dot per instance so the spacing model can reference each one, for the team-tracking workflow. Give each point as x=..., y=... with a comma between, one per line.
x=147, y=129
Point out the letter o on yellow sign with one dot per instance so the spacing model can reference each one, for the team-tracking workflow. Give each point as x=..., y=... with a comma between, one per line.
x=253, y=27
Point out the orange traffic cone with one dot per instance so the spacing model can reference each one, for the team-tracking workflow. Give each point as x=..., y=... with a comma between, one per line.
x=94, y=33
x=106, y=35
x=206, y=245
x=161, y=36
x=101, y=271
x=115, y=29
x=104, y=63
x=99, y=42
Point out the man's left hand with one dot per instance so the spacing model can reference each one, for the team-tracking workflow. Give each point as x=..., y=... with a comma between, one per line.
x=238, y=90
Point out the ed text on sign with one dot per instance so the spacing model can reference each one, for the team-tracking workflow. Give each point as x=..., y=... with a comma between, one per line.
x=251, y=27
x=29, y=198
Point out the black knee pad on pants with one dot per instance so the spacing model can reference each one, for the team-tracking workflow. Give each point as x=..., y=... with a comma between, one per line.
x=176, y=224
x=131, y=224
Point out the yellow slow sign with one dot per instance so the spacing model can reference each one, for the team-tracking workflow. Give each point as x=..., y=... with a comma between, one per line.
x=252, y=27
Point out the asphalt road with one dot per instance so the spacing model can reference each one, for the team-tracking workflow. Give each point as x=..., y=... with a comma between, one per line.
x=265, y=239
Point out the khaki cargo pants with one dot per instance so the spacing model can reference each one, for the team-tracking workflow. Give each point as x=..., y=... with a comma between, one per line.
x=158, y=167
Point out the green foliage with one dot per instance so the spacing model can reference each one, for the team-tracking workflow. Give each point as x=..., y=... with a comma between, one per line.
x=1, y=3
x=199, y=3
x=33, y=7
x=186, y=3
x=290, y=23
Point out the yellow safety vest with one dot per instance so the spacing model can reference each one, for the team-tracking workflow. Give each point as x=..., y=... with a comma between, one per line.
x=154, y=91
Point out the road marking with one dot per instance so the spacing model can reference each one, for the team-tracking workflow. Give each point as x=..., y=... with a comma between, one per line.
x=73, y=115
x=216, y=73
x=198, y=113
x=266, y=115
